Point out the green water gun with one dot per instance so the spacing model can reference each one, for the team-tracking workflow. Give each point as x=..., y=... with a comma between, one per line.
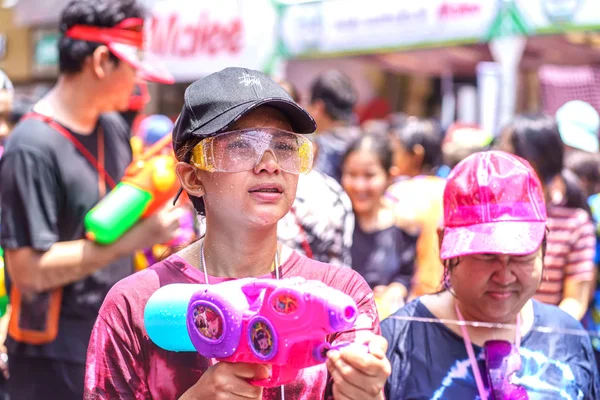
x=149, y=183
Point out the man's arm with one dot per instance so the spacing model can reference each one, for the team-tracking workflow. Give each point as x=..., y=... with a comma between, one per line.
x=35, y=258
x=66, y=262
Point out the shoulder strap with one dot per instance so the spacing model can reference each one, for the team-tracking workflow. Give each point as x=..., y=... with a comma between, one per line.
x=80, y=147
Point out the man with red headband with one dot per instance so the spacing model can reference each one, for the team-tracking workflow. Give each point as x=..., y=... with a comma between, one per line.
x=61, y=159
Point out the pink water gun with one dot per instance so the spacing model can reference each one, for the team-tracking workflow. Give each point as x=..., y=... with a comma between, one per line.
x=284, y=323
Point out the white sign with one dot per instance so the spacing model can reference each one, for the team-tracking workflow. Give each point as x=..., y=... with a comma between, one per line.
x=195, y=38
x=507, y=51
x=361, y=26
x=489, y=86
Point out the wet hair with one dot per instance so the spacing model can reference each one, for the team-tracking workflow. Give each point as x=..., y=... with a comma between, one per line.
x=377, y=144
x=426, y=133
x=336, y=91
x=102, y=13
x=535, y=137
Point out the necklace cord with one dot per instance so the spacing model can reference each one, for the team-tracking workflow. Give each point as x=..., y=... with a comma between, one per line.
x=203, y=267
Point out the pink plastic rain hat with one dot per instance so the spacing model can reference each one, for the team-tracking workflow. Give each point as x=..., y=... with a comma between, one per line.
x=493, y=203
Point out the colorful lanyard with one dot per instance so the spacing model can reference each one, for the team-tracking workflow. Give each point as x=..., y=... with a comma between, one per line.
x=98, y=164
x=471, y=352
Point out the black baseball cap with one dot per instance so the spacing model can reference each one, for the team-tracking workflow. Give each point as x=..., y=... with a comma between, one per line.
x=213, y=103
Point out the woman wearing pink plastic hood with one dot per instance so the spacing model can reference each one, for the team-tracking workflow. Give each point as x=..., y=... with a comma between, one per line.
x=511, y=346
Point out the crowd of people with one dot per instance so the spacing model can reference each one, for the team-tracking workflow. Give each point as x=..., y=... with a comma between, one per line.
x=472, y=257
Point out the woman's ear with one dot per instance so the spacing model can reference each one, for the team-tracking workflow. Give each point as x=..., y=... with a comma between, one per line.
x=189, y=179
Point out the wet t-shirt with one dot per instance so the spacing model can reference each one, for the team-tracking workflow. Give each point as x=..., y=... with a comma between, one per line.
x=429, y=361
x=123, y=363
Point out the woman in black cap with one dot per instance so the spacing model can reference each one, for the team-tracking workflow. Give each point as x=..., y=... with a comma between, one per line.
x=240, y=146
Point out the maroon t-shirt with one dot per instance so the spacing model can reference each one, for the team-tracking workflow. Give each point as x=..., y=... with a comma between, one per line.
x=123, y=363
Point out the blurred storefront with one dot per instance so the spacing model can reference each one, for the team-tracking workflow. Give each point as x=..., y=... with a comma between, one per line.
x=430, y=57
x=15, y=58
x=194, y=38
x=436, y=57
x=18, y=58
x=44, y=49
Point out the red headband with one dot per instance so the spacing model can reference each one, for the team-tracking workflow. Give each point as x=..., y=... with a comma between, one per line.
x=120, y=33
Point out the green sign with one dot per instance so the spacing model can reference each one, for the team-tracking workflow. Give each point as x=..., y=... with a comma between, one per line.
x=509, y=22
x=46, y=50
x=326, y=28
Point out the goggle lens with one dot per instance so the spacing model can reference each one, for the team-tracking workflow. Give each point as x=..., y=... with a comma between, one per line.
x=242, y=150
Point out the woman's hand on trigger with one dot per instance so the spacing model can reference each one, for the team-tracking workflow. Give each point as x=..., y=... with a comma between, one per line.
x=357, y=374
x=228, y=381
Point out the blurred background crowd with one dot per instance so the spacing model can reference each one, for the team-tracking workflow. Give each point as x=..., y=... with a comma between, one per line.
x=401, y=92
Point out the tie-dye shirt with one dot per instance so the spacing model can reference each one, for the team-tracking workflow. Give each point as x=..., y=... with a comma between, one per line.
x=123, y=363
x=429, y=361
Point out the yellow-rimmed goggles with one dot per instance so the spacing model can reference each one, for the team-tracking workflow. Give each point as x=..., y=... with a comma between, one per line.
x=242, y=150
